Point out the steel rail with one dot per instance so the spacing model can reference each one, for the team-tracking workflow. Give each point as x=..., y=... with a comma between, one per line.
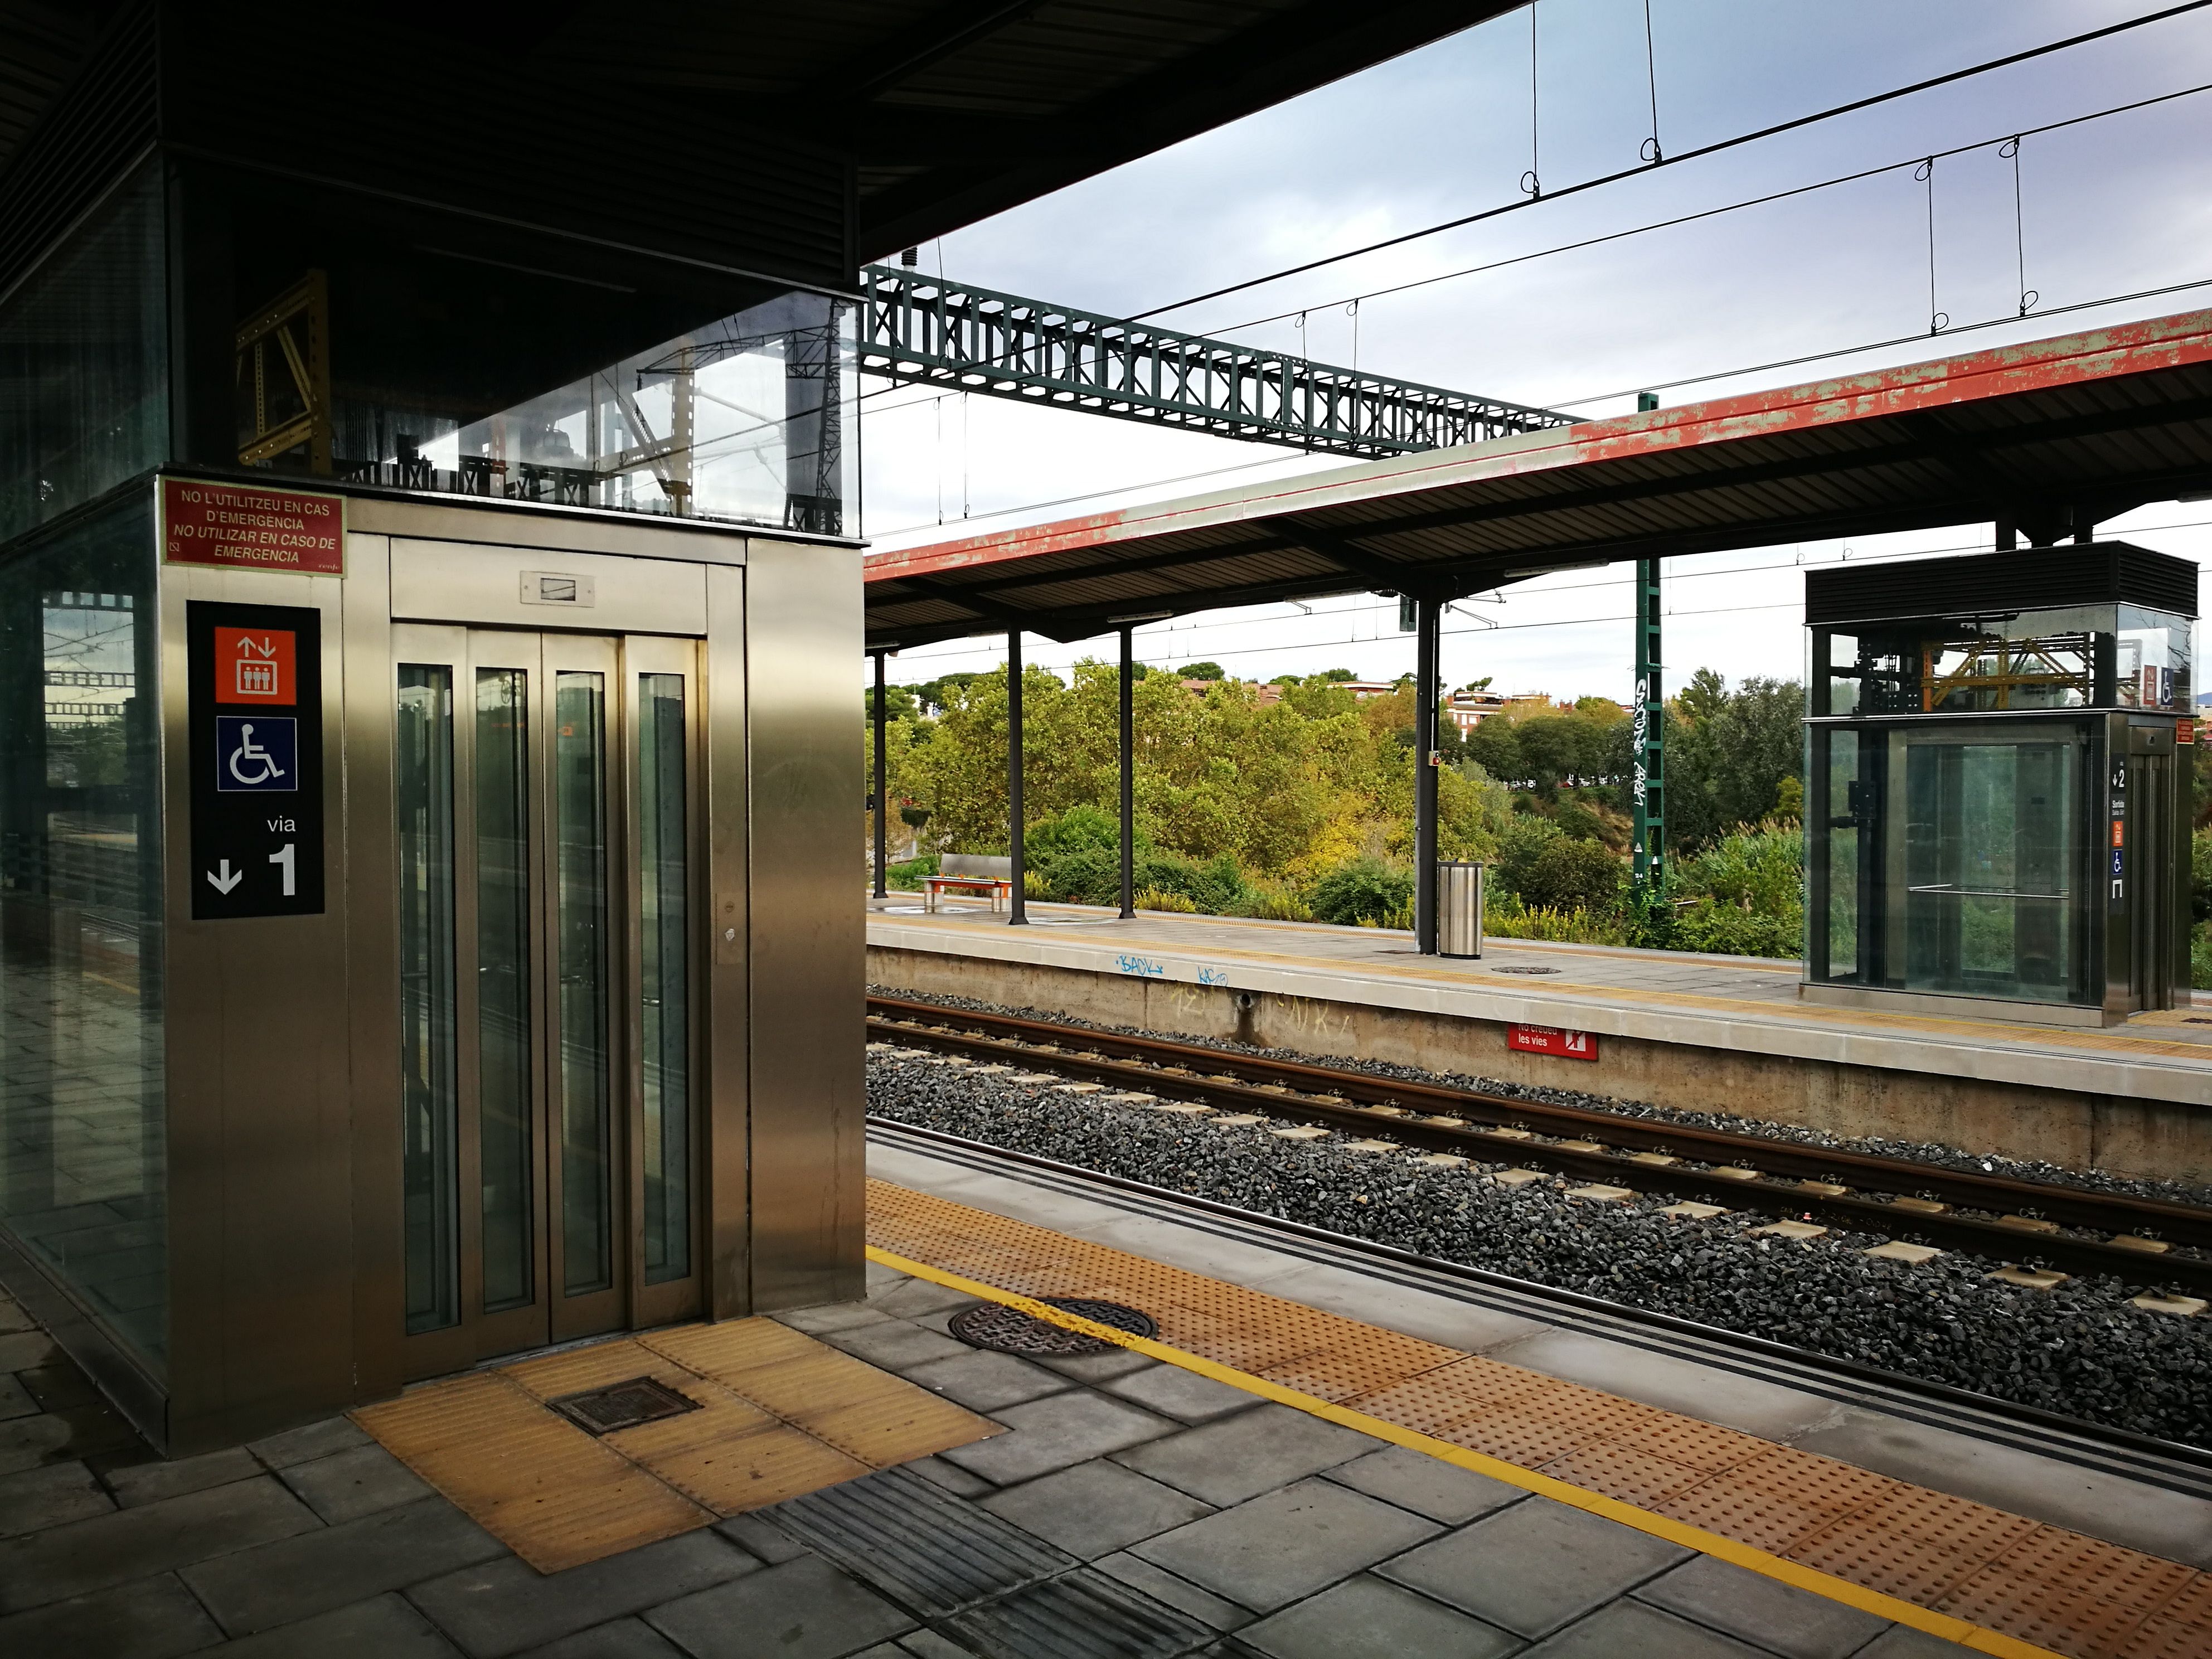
x=2174, y=1465
x=1491, y=1127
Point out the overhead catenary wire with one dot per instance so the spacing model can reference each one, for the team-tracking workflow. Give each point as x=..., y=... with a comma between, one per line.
x=1700, y=152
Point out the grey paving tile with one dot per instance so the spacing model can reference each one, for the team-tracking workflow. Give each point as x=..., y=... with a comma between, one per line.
x=618, y=1639
x=12, y=1316
x=1241, y=1456
x=1053, y=1433
x=154, y=1538
x=383, y=1627
x=924, y=1644
x=984, y=1382
x=506, y=1606
x=148, y=1483
x=1284, y=1545
x=952, y=1478
x=15, y=1399
x=151, y=1619
x=881, y=1277
x=761, y=1538
x=1903, y=1642
x=1793, y=1623
x=1163, y=1586
x=21, y=1350
x=895, y=1345
x=348, y=1485
x=1094, y=1508
x=27, y=1442
x=1535, y=1567
x=1427, y=1486
x=911, y=1298
x=1114, y=1618
x=50, y=1496
x=1100, y=1367
x=830, y=1317
x=1630, y=1627
x=295, y=1578
x=333, y=1434
x=1184, y=1395
x=1368, y=1618
x=804, y=1609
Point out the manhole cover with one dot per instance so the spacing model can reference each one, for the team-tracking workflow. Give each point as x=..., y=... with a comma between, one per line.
x=1524, y=971
x=623, y=1406
x=1007, y=1330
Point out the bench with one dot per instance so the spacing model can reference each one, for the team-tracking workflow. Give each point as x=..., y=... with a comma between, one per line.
x=997, y=888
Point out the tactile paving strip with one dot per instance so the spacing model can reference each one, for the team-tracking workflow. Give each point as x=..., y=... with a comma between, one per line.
x=780, y=1415
x=2072, y=1594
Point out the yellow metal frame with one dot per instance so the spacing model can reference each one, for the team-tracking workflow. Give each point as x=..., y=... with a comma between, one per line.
x=2003, y=667
x=298, y=321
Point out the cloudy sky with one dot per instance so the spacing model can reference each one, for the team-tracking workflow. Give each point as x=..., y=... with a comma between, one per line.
x=2108, y=207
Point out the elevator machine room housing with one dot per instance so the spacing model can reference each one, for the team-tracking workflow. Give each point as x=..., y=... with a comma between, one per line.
x=427, y=935
x=1998, y=790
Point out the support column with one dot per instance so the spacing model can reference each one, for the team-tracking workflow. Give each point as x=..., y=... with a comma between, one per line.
x=882, y=805
x=1128, y=774
x=1647, y=736
x=1018, y=901
x=1428, y=619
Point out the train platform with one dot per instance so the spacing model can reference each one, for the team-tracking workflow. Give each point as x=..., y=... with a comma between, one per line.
x=1696, y=1032
x=1307, y=1460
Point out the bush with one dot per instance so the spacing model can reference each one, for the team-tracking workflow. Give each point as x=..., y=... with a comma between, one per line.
x=1363, y=890
x=2200, y=876
x=1566, y=874
x=1274, y=901
x=1080, y=826
x=1510, y=919
x=1083, y=875
x=1725, y=930
x=907, y=876
x=1152, y=898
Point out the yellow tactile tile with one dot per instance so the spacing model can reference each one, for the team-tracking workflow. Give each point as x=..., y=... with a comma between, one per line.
x=2018, y=1580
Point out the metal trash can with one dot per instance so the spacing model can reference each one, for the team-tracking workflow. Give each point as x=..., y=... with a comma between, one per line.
x=1459, y=909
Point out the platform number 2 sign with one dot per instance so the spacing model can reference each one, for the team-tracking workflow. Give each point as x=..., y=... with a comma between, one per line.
x=256, y=700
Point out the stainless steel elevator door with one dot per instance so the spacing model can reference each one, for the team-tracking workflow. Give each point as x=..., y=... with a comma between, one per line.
x=547, y=835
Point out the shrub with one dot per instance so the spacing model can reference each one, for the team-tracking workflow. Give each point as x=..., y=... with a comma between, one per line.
x=1510, y=919
x=1363, y=890
x=907, y=876
x=1274, y=901
x=2200, y=875
x=1726, y=930
x=1566, y=874
x=1080, y=826
x=1083, y=875
x=1152, y=898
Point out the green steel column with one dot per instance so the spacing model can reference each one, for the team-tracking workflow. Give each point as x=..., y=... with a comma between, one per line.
x=1648, y=737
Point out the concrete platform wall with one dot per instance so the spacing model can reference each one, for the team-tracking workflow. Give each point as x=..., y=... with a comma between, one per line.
x=2080, y=1130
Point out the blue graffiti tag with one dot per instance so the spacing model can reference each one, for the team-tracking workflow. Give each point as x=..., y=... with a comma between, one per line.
x=1144, y=966
x=1214, y=976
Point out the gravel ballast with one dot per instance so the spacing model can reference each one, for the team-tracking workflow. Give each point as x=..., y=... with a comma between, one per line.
x=2079, y=1349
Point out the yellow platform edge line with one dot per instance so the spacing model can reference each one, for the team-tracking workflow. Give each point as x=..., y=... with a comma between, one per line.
x=1793, y=1573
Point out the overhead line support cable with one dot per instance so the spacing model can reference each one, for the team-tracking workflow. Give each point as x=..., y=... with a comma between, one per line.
x=1702, y=151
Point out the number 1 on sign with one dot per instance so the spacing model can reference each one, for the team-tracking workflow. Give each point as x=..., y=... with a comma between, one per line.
x=282, y=859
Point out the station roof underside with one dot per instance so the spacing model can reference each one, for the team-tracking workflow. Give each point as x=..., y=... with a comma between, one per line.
x=2051, y=434
x=947, y=110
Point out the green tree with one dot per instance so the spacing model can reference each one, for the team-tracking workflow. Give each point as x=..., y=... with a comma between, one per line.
x=1728, y=754
x=1203, y=671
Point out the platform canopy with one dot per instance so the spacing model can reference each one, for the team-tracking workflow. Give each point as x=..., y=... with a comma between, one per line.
x=2046, y=438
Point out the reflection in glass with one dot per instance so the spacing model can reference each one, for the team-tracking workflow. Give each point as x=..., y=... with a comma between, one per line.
x=83, y=1164
x=429, y=1092
x=665, y=986
x=503, y=1025
x=581, y=930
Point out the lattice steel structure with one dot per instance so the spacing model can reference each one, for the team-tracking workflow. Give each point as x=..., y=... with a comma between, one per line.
x=928, y=332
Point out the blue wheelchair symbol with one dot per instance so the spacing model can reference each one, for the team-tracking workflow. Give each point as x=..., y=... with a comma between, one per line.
x=255, y=753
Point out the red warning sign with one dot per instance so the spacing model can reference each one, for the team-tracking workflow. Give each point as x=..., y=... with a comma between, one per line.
x=256, y=666
x=1551, y=1040
x=243, y=527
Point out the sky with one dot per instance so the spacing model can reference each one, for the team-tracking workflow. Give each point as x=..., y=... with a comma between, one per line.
x=2107, y=207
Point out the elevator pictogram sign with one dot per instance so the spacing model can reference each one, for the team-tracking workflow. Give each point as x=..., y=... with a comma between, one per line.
x=257, y=760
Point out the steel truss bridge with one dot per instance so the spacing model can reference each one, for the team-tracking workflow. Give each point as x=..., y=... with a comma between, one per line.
x=927, y=332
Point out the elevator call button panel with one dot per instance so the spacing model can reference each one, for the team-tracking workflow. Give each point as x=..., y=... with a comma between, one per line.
x=256, y=701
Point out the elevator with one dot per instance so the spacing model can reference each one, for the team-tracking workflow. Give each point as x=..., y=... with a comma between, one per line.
x=1999, y=784
x=427, y=935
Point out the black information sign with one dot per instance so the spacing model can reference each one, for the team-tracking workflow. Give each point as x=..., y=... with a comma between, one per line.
x=257, y=760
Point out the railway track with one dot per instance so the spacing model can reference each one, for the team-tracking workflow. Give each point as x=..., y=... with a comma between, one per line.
x=2141, y=1242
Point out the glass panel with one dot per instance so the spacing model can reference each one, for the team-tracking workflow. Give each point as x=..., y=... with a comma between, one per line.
x=84, y=345
x=1990, y=858
x=503, y=1023
x=580, y=927
x=429, y=1083
x=1837, y=844
x=665, y=987
x=83, y=1164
